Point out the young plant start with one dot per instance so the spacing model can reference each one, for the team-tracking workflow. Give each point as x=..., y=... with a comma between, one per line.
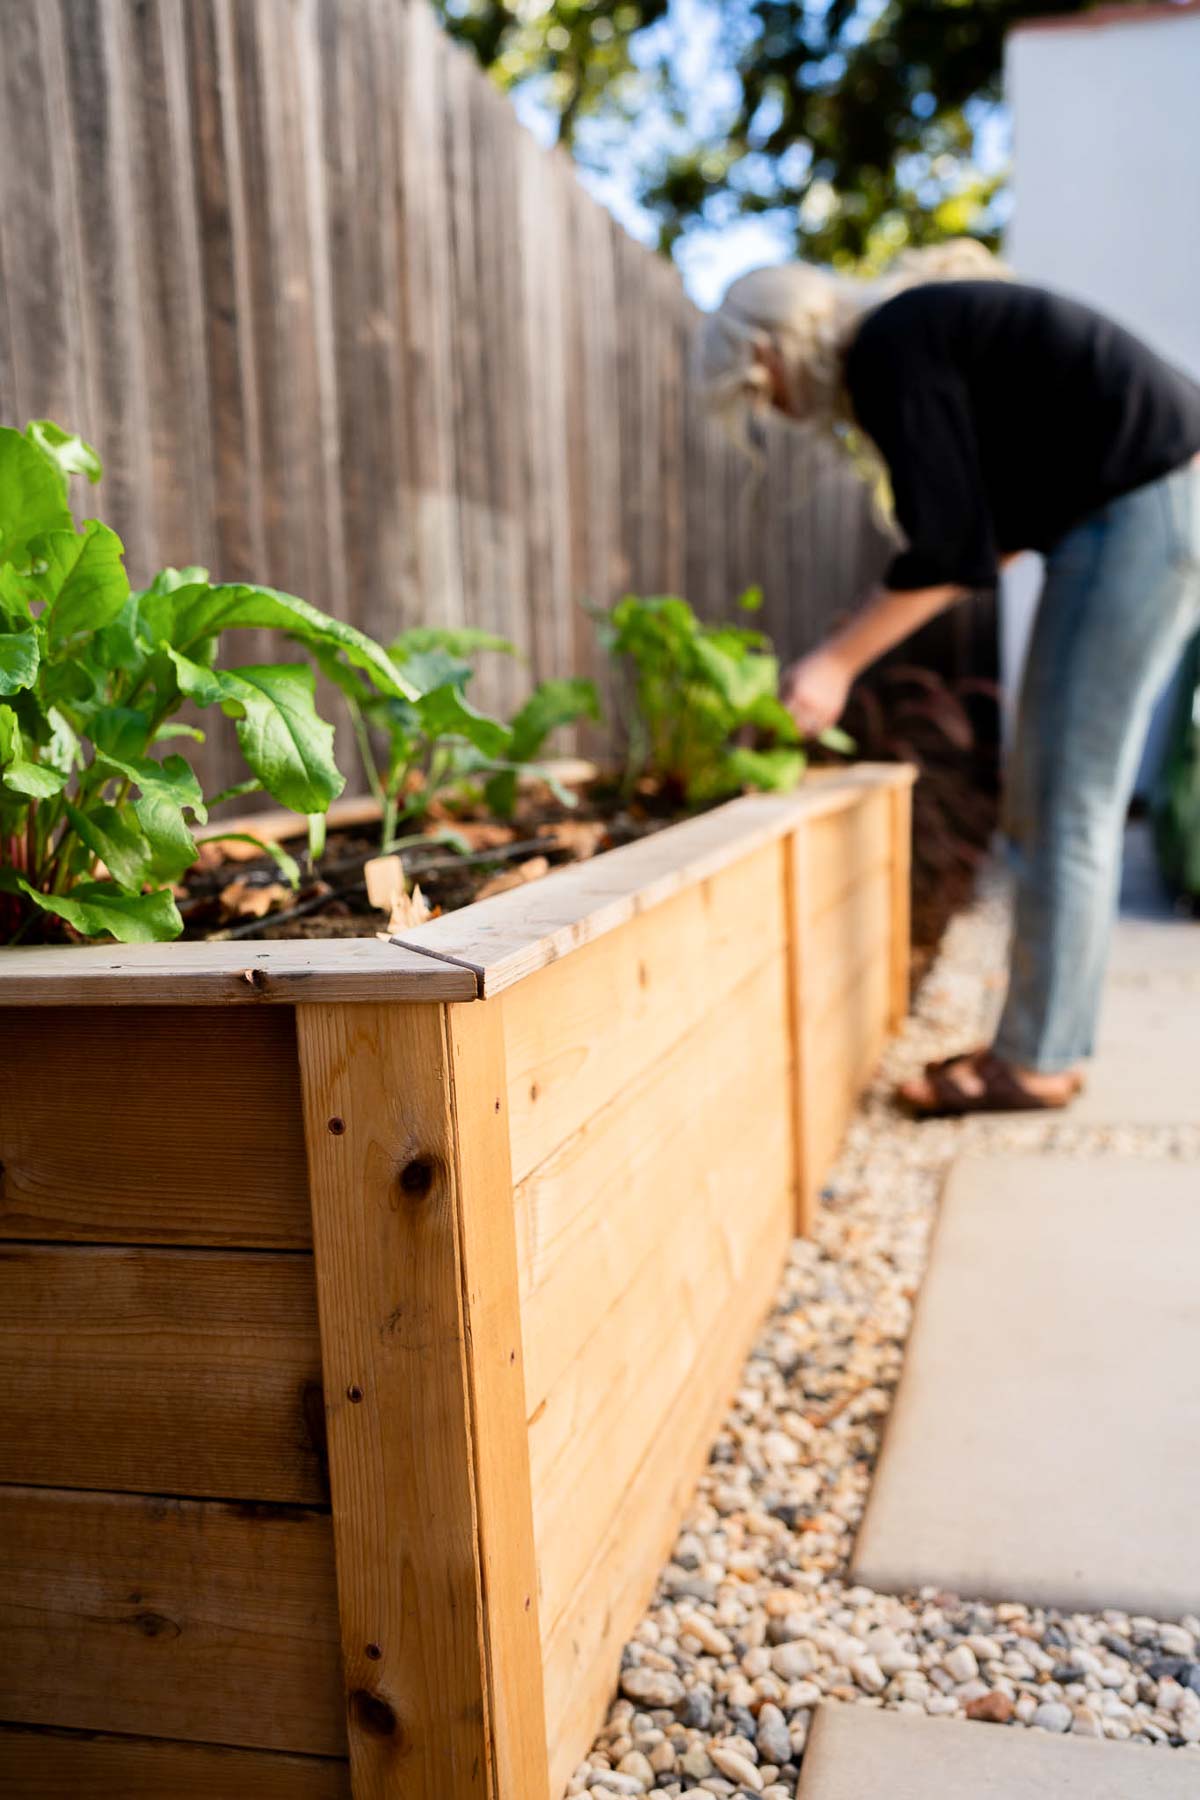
x=95, y=827
x=417, y=750
x=704, y=719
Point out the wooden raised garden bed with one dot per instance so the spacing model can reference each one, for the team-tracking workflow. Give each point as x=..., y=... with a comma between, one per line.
x=367, y=1309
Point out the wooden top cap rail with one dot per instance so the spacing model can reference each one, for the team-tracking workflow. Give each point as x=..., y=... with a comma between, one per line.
x=284, y=972
x=466, y=955
x=514, y=934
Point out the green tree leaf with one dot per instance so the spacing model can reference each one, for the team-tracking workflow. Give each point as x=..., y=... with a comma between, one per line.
x=101, y=909
x=33, y=496
x=854, y=128
x=83, y=583
x=576, y=57
x=20, y=654
x=286, y=744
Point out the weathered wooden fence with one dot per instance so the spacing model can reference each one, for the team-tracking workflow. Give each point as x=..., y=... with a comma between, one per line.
x=338, y=324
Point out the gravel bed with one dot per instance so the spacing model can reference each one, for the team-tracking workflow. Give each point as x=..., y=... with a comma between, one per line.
x=753, y=1622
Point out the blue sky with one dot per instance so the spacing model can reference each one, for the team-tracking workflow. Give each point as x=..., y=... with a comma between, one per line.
x=697, y=39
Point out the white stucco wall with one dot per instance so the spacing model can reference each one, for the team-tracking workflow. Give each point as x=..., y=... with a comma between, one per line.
x=1106, y=130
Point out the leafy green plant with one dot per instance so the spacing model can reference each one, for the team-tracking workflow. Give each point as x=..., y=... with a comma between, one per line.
x=416, y=750
x=94, y=826
x=704, y=716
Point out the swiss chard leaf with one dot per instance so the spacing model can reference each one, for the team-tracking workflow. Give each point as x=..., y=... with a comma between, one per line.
x=461, y=641
x=102, y=909
x=83, y=580
x=192, y=615
x=164, y=790
x=287, y=745
x=15, y=595
x=426, y=670
x=774, y=771
x=445, y=712
x=551, y=704
x=20, y=655
x=33, y=495
x=119, y=733
x=114, y=834
x=69, y=453
x=33, y=779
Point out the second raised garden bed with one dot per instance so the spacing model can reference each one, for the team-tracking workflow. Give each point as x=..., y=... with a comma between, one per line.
x=367, y=1309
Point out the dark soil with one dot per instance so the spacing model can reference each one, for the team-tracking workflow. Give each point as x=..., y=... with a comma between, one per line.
x=332, y=900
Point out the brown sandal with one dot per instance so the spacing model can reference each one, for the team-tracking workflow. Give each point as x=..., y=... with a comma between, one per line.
x=1001, y=1090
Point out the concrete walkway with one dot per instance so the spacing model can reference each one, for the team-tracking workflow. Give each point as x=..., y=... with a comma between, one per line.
x=862, y=1753
x=1045, y=1442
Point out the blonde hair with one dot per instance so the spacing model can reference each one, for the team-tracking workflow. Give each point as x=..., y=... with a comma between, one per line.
x=810, y=317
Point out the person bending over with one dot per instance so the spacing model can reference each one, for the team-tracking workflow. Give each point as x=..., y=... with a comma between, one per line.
x=1009, y=419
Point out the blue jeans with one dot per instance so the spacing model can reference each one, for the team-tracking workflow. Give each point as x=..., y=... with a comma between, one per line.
x=1121, y=599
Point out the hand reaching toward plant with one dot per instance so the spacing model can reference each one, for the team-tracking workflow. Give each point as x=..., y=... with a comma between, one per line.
x=815, y=690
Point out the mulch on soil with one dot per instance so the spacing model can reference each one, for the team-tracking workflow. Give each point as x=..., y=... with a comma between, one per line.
x=234, y=893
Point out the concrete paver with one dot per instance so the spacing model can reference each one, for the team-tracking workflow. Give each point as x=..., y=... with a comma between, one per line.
x=1046, y=1435
x=863, y=1753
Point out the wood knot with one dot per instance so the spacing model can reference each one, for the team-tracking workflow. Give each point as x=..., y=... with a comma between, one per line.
x=154, y=1624
x=418, y=1176
x=374, y=1713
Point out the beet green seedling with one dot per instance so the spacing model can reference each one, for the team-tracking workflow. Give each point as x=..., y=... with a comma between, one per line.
x=95, y=823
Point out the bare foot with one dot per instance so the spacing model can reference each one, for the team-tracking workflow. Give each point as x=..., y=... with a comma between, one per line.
x=980, y=1081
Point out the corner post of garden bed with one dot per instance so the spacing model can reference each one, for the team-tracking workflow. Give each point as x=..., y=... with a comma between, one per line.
x=846, y=883
x=406, y=1121
x=901, y=865
x=799, y=961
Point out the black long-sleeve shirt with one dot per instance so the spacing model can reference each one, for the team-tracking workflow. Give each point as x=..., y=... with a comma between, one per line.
x=1005, y=416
